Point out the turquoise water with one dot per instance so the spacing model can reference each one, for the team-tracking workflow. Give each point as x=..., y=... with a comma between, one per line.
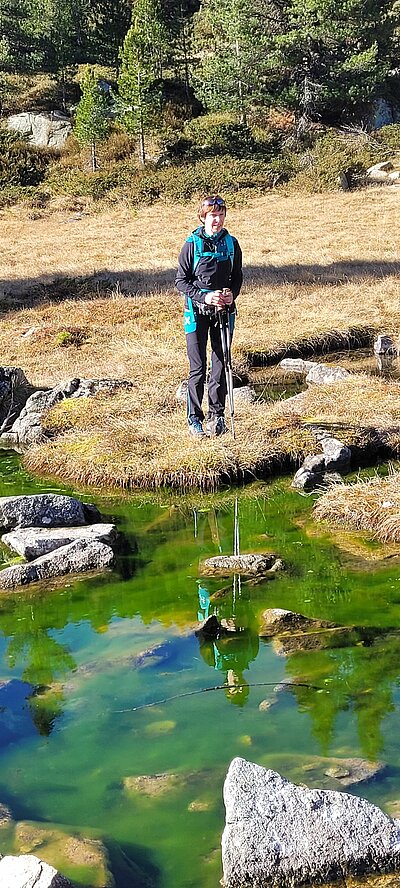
x=128, y=675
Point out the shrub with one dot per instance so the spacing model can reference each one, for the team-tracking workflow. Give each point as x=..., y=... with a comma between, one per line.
x=71, y=336
x=389, y=136
x=219, y=134
x=21, y=164
x=335, y=153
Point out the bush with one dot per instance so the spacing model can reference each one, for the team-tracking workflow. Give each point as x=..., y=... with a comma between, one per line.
x=336, y=153
x=220, y=134
x=389, y=136
x=21, y=164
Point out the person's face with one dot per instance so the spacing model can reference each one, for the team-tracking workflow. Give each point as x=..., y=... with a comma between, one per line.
x=214, y=221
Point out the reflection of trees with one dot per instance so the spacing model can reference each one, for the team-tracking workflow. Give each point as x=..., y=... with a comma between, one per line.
x=357, y=680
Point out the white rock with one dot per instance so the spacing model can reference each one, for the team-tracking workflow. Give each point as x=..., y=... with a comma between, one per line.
x=28, y=871
x=280, y=834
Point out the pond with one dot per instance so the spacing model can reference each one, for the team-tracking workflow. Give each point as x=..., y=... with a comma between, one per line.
x=103, y=678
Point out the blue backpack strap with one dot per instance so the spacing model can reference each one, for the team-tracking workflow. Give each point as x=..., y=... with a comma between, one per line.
x=231, y=247
x=200, y=251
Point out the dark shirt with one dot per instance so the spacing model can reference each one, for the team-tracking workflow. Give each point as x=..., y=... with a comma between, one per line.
x=209, y=274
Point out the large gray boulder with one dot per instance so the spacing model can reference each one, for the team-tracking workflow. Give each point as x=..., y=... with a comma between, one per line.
x=279, y=834
x=45, y=510
x=27, y=428
x=28, y=871
x=75, y=558
x=33, y=542
x=45, y=130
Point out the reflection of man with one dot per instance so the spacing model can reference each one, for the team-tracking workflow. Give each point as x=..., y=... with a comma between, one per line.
x=231, y=654
x=204, y=602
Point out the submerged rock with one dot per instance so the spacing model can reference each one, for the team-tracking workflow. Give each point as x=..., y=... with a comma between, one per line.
x=282, y=835
x=66, y=850
x=152, y=785
x=79, y=556
x=276, y=621
x=33, y=542
x=45, y=510
x=28, y=871
x=244, y=564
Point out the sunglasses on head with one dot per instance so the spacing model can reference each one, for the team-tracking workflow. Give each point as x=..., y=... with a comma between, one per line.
x=214, y=202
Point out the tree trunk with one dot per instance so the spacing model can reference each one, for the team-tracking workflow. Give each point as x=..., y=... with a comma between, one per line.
x=242, y=117
x=94, y=157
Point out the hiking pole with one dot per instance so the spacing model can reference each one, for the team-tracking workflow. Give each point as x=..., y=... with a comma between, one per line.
x=225, y=331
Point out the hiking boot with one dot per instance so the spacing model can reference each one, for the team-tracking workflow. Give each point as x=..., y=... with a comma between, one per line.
x=195, y=427
x=216, y=426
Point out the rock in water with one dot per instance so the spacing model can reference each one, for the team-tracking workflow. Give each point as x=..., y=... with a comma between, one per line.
x=76, y=557
x=27, y=871
x=279, y=834
x=33, y=542
x=45, y=510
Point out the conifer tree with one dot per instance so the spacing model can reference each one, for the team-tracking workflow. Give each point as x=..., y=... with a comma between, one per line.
x=141, y=71
x=231, y=37
x=91, y=121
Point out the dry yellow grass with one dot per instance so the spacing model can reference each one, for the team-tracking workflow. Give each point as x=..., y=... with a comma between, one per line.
x=372, y=506
x=313, y=264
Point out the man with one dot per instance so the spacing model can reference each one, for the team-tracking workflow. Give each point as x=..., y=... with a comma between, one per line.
x=210, y=277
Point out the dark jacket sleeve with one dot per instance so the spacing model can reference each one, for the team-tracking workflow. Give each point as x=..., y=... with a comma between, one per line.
x=237, y=272
x=184, y=280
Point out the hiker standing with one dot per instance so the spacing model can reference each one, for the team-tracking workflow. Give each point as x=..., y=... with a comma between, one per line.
x=210, y=277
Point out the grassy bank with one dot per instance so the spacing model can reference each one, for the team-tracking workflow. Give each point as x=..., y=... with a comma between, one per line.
x=372, y=506
x=91, y=294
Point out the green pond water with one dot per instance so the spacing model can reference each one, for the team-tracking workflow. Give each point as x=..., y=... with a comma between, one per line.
x=111, y=645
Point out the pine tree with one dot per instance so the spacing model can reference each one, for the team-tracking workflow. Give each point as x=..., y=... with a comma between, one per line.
x=231, y=37
x=60, y=26
x=141, y=71
x=91, y=121
x=107, y=24
x=333, y=57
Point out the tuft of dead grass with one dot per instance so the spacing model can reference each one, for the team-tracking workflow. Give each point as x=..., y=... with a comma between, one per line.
x=372, y=506
x=113, y=442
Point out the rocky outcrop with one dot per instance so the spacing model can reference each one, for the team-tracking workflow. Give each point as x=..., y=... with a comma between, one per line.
x=250, y=564
x=27, y=427
x=77, y=557
x=45, y=510
x=43, y=130
x=280, y=834
x=28, y=871
x=33, y=542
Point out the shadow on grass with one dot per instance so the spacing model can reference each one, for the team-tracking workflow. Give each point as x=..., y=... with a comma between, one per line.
x=24, y=292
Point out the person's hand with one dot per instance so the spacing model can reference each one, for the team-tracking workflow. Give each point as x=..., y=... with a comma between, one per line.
x=215, y=298
x=228, y=296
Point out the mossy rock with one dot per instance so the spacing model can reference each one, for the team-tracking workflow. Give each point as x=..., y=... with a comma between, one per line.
x=81, y=859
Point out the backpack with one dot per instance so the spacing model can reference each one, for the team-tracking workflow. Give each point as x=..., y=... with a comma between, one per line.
x=226, y=249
